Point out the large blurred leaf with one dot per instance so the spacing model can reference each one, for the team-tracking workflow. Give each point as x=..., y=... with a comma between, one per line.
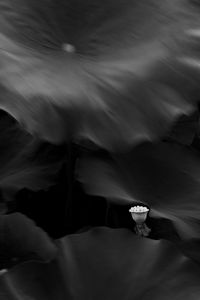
x=106, y=264
x=21, y=239
x=164, y=176
x=114, y=73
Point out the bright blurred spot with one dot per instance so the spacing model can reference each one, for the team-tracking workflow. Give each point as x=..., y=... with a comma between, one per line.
x=68, y=48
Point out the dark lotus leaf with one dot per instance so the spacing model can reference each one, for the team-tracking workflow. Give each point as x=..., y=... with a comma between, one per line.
x=113, y=73
x=164, y=176
x=25, y=162
x=21, y=240
x=184, y=130
x=106, y=264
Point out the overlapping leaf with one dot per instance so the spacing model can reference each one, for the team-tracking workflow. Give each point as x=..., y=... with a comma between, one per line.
x=21, y=240
x=185, y=130
x=106, y=264
x=164, y=176
x=24, y=161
